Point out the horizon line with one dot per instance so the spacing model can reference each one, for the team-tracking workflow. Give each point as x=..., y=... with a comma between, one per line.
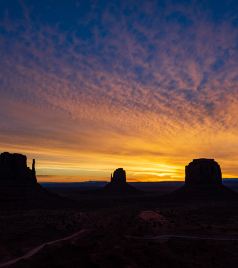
x=102, y=181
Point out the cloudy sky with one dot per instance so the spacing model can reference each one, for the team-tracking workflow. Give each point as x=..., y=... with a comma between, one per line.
x=89, y=86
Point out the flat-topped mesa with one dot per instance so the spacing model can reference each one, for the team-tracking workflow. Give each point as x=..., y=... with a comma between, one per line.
x=14, y=170
x=203, y=172
x=119, y=176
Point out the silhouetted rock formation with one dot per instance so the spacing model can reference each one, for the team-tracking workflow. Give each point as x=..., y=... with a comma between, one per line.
x=19, y=187
x=14, y=170
x=119, y=176
x=118, y=183
x=203, y=171
x=203, y=181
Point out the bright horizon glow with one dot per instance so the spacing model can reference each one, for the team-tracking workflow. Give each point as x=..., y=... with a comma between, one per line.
x=87, y=87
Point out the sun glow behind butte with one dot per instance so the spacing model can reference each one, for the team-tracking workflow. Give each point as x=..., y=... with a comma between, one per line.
x=86, y=88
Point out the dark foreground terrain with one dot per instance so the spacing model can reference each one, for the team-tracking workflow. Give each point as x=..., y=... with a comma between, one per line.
x=141, y=230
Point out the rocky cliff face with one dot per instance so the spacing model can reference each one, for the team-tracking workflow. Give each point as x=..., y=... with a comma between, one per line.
x=203, y=172
x=14, y=170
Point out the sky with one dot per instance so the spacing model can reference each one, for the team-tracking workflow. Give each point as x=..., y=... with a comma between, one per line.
x=90, y=86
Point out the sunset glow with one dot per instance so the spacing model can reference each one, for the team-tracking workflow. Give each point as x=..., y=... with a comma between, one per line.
x=88, y=89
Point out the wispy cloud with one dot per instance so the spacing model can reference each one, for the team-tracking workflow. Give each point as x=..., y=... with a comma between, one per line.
x=144, y=85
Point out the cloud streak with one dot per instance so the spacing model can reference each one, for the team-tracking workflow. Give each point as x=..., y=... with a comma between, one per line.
x=131, y=85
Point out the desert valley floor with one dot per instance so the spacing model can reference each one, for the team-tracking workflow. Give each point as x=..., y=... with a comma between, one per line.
x=146, y=229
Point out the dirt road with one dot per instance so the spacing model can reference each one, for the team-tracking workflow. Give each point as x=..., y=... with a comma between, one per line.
x=40, y=247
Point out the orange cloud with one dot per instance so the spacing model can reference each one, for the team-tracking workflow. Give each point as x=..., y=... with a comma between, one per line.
x=146, y=99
